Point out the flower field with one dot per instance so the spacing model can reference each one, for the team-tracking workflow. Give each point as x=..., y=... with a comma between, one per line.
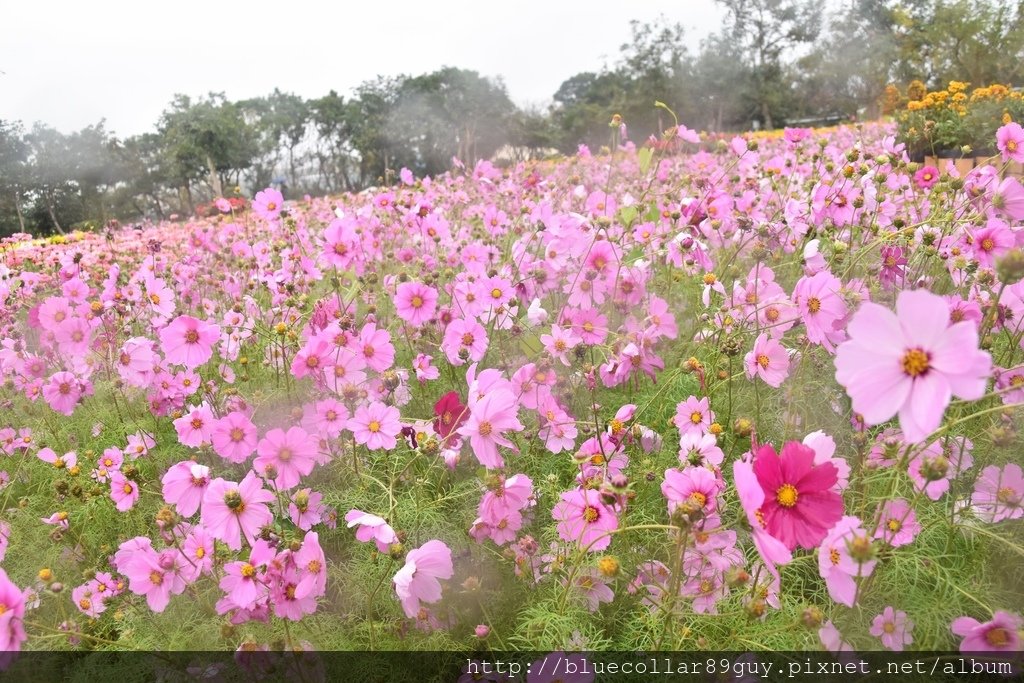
x=749, y=393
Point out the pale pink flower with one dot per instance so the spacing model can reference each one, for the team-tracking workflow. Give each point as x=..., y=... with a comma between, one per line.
x=911, y=364
x=418, y=580
x=188, y=341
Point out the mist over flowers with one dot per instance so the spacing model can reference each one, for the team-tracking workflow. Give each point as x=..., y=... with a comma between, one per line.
x=675, y=395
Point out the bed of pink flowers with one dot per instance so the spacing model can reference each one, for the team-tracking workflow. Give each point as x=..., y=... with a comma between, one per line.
x=741, y=393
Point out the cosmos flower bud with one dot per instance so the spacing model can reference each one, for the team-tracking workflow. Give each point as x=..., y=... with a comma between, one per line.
x=482, y=631
x=812, y=617
x=862, y=549
x=935, y=468
x=608, y=566
x=1010, y=266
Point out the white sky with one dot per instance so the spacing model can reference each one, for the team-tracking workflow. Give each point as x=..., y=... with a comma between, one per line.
x=71, y=63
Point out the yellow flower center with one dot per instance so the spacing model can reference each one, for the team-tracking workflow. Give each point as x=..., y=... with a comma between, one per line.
x=889, y=627
x=762, y=360
x=699, y=498
x=814, y=304
x=915, y=362
x=591, y=514
x=696, y=417
x=997, y=637
x=786, y=495
x=248, y=571
x=894, y=525
x=485, y=428
x=417, y=301
x=191, y=337
x=374, y=426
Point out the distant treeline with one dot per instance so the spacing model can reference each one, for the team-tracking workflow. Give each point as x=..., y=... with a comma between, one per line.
x=775, y=61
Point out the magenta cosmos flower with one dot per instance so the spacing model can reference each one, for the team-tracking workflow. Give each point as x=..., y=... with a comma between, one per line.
x=582, y=517
x=290, y=454
x=694, y=416
x=767, y=360
x=772, y=551
x=188, y=341
x=231, y=510
x=926, y=177
x=998, y=635
x=376, y=425
x=911, y=363
x=800, y=505
x=418, y=581
x=415, y=302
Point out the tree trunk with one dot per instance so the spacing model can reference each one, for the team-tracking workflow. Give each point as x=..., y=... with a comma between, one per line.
x=766, y=113
x=53, y=215
x=214, y=178
x=17, y=208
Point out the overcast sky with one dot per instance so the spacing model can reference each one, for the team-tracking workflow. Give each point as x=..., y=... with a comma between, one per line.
x=72, y=63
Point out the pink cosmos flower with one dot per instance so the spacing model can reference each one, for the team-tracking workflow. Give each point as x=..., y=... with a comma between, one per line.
x=697, y=485
x=66, y=461
x=415, y=303
x=696, y=450
x=1001, y=634
x=844, y=557
x=1010, y=142
x=584, y=519
x=311, y=562
x=767, y=360
x=417, y=581
x=305, y=509
x=242, y=581
x=154, y=575
x=267, y=203
x=822, y=307
x=832, y=639
x=290, y=454
x=992, y=241
x=195, y=427
x=694, y=416
x=559, y=343
x=464, y=340
x=999, y=493
x=897, y=523
x=926, y=177
x=425, y=369
x=184, y=485
x=231, y=510
x=88, y=601
x=12, y=611
x=372, y=528
x=375, y=347
x=772, y=550
x=234, y=437
x=893, y=629
x=910, y=364
x=62, y=392
x=188, y=341
x=123, y=491
x=488, y=418
x=376, y=425
x=800, y=505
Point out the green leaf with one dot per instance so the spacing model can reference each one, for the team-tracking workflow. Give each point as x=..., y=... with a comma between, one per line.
x=627, y=215
x=645, y=154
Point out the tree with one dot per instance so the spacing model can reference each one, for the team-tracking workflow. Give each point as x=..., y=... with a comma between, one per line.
x=767, y=30
x=13, y=179
x=207, y=138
